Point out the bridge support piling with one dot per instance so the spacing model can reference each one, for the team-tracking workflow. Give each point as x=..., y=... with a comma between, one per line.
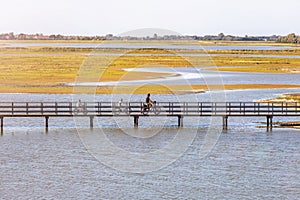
x=91, y=122
x=136, y=121
x=180, y=121
x=47, y=123
x=269, y=123
x=225, y=122
x=1, y=121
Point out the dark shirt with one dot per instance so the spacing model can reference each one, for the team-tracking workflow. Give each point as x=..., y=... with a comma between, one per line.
x=148, y=100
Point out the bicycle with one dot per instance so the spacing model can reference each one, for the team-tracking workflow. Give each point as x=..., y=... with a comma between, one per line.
x=80, y=109
x=154, y=108
x=119, y=109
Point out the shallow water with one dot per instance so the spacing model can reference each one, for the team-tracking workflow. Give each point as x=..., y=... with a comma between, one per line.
x=201, y=76
x=138, y=46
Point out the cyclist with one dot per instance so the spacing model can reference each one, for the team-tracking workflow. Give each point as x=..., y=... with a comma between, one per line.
x=149, y=102
x=120, y=104
x=80, y=107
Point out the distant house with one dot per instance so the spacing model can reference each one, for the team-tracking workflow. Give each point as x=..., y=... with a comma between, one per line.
x=41, y=37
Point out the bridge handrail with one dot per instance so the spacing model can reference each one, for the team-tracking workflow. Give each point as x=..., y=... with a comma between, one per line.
x=161, y=108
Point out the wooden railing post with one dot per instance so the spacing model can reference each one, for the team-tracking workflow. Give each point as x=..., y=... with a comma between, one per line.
x=241, y=108
x=99, y=108
x=201, y=105
x=215, y=108
x=56, y=108
x=70, y=108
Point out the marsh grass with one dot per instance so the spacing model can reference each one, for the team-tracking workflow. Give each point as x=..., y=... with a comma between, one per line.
x=44, y=69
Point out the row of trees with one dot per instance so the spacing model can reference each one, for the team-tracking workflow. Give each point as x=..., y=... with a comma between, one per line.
x=62, y=37
x=7, y=36
x=290, y=38
x=221, y=36
x=22, y=36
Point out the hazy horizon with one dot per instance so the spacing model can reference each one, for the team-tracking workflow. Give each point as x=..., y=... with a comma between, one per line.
x=191, y=17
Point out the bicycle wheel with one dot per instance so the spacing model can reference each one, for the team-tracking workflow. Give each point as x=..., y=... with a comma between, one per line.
x=156, y=110
x=116, y=111
x=75, y=112
x=126, y=110
x=145, y=111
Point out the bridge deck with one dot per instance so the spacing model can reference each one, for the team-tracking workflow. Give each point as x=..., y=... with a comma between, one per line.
x=137, y=109
x=65, y=109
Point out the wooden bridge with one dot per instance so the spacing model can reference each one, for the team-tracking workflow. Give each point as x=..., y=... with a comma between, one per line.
x=138, y=109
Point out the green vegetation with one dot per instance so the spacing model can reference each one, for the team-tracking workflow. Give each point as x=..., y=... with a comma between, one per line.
x=290, y=38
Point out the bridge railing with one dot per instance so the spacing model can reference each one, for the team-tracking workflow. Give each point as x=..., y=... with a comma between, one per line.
x=160, y=108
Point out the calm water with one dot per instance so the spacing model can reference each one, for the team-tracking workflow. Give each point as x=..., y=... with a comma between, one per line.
x=138, y=46
x=246, y=162
x=202, y=76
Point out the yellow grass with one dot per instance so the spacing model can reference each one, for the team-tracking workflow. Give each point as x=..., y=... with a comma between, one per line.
x=43, y=69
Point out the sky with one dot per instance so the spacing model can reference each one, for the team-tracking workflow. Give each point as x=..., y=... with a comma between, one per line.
x=188, y=17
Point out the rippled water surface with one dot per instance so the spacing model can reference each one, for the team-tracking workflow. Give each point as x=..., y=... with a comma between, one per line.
x=246, y=163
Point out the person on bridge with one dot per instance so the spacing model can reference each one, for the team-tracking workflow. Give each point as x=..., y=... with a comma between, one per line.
x=80, y=107
x=121, y=104
x=78, y=104
x=149, y=102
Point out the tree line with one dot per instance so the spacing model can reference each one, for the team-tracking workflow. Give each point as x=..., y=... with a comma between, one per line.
x=290, y=38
